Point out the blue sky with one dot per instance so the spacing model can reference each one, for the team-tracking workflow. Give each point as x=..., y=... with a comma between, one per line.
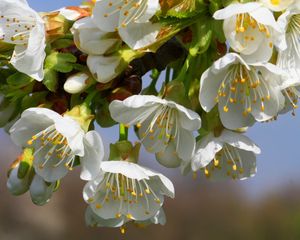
x=279, y=163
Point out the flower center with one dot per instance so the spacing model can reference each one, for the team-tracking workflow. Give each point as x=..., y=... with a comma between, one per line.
x=132, y=10
x=127, y=191
x=243, y=86
x=229, y=160
x=16, y=30
x=161, y=126
x=245, y=23
x=56, y=147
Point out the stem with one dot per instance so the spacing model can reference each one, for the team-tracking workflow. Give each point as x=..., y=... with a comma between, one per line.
x=168, y=74
x=90, y=97
x=123, y=132
x=184, y=69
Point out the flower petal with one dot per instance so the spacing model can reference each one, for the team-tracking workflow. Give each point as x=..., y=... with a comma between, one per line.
x=93, y=155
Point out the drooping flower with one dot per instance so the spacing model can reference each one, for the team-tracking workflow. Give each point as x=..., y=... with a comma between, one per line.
x=251, y=30
x=130, y=18
x=127, y=191
x=244, y=92
x=277, y=5
x=22, y=26
x=230, y=155
x=160, y=122
x=57, y=141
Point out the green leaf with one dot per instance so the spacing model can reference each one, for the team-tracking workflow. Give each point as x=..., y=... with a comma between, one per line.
x=19, y=79
x=60, y=62
x=33, y=100
x=50, y=79
x=62, y=43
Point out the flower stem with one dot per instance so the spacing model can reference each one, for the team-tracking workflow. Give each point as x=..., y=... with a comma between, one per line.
x=123, y=132
x=168, y=75
x=90, y=97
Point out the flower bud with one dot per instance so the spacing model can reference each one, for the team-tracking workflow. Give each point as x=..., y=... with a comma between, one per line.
x=40, y=191
x=20, y=173
x=17, y=186
x=77, y=83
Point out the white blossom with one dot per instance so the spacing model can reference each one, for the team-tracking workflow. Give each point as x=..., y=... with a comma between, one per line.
x=245, y=92
x=22, y=26
x=130, y=18
x=127, y=191
x=160, y=122
x=251, y=30
x=230, y=155
x=57, y=141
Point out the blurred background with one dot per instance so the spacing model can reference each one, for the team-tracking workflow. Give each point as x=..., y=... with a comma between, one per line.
x=264, y=207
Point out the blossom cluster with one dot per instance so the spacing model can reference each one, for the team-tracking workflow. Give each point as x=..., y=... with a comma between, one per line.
x=220, y=68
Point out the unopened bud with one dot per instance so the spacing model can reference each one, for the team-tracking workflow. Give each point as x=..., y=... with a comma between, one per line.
x=17, y=186
x=77, y=83
x=40, y=191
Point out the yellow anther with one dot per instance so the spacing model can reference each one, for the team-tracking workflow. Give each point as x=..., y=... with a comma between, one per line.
x=234, y=167
x=226, y=109
x=157, y=200
x=147, y=191
x=30, y=142
x=91, y=200
x=139, y=125
x=98, y=206
x=129, y=216
x=133, y=194
x=123, y=230
x=118, y=215
x=216, y=162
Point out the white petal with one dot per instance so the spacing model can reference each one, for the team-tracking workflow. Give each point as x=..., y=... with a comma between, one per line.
x=234, y=118
x=205, y=152
x=107, y=24
x=90, y=39
x=139, y=35
x=169, y=157
x=32, y=121
x=239, y=141
x=71, y=130
x=234, y=9
x=185, y=144
x=92, y=219
x=93, y=155
x=130, y=170
x=133, y=109
x=104, y=68
x=188, y=119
